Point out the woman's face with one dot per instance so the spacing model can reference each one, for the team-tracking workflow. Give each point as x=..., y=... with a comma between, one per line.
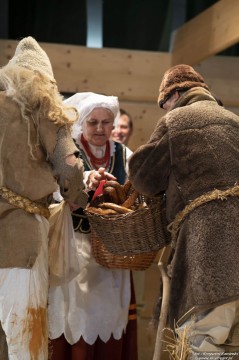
x=98, y=126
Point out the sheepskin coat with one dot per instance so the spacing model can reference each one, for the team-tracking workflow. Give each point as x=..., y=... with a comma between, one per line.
x=194, y=149
x=28, y=141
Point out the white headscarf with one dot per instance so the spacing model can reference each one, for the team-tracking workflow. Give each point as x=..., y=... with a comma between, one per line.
x=86, y=102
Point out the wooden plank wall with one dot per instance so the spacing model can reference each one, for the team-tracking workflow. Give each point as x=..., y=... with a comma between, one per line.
x=222, y=76
x=133, y=76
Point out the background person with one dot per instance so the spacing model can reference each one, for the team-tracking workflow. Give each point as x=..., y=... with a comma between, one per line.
x=89, y=316
x=193, y=156
x=124, y=128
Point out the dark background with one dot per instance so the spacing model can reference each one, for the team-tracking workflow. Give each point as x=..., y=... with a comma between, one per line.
x=127, y=24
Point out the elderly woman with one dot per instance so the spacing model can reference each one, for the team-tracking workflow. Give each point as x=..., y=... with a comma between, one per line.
x=89, y=316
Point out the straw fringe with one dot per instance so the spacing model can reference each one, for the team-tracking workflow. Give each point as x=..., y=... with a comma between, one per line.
x=178, y=345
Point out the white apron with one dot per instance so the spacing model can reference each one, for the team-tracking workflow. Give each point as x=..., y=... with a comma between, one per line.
x=95, y=303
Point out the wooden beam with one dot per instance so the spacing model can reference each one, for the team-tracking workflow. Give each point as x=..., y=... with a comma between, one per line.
x=221, y=75
x=207, y=34
x=130, y=75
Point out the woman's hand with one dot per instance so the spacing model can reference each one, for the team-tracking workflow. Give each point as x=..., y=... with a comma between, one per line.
x=96, y=176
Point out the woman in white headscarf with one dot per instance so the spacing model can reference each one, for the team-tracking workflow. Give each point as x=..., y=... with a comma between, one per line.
x=89, y=316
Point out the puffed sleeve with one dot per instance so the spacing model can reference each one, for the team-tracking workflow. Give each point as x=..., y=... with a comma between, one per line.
x=149, y=166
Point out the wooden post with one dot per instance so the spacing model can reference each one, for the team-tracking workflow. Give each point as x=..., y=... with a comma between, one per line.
x=163, y=262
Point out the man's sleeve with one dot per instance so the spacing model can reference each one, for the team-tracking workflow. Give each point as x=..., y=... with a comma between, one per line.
x=149, y=166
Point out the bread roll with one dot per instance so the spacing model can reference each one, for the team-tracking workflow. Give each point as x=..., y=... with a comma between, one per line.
x=119, y=189
x=118, y=208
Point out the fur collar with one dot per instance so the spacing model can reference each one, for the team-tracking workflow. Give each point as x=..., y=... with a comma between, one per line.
x=194, y=95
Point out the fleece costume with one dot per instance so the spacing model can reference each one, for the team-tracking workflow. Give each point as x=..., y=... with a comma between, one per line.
x=33, y=122
x=194, y=150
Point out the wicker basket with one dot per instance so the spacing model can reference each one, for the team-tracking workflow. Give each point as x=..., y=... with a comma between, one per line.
x=141, y=231
x=105, y=258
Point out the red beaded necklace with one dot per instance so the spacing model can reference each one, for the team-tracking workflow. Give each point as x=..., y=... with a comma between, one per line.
x=97, y=162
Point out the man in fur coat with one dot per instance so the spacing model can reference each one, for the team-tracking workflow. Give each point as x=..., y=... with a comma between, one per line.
x=36, y=152
x=193, y=157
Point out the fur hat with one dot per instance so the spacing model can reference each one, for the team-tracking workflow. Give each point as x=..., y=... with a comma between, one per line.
x=179, y=77
x=30, y=55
